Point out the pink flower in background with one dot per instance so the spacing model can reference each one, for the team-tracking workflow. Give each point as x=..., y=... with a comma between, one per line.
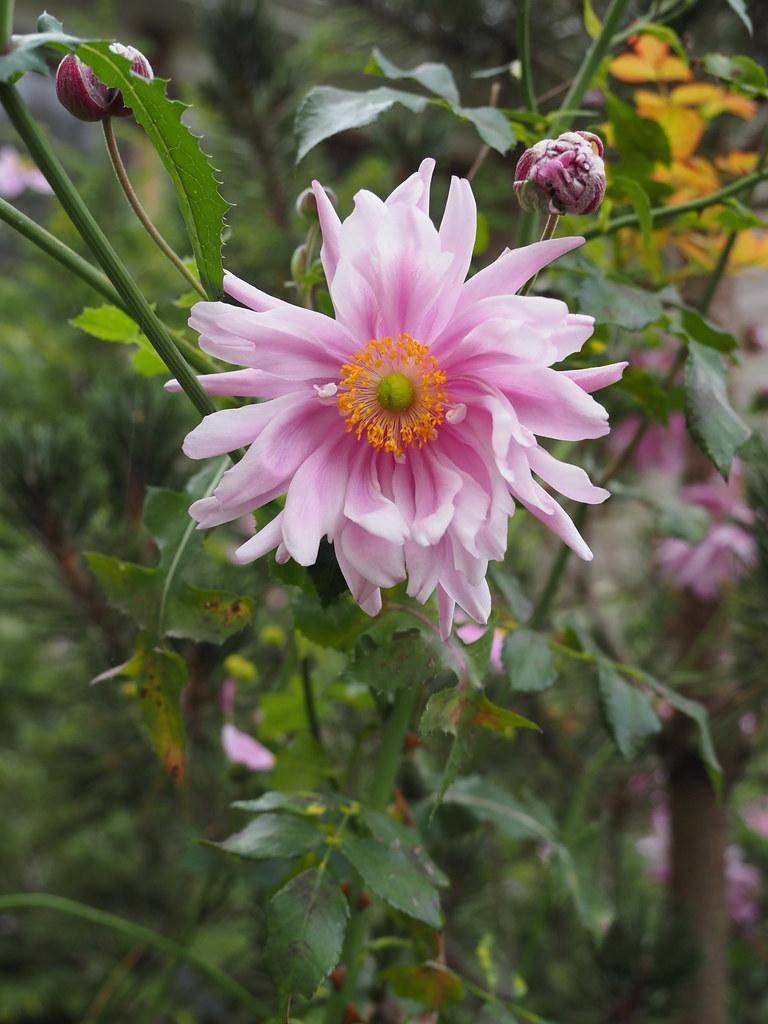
x=729, y=546
x=402, y=429
x=743, y=882
x=470, y=632
x=756, y=816
x=239, y=747
x=18, y=174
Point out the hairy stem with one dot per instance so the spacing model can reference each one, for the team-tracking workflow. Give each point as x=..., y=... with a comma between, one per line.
x=135, y=203
x=594, y=55
x=136, y=933
x=131, y=295
x=664, y=213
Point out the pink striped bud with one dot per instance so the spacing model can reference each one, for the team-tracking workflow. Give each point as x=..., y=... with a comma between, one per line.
x=85, y=96
x=562, y=175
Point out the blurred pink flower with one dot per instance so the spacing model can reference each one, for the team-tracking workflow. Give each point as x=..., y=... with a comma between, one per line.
x=402, y=429
x=240, y=748
x=756, y=816
x=729, y=546
x=18, y=174
x=743, y=882
x=662, y=448
x=470, y=632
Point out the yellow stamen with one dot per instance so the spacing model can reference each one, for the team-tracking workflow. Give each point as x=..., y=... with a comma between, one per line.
x=367, y=403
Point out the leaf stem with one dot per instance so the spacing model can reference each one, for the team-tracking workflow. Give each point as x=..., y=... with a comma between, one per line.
x=664, y=213
x=131, y=295
x=136, y=933
x=592, y=59
x=6, y=24
x=51, y=245
x=135, y=203
x=385, y=771
x=524, y=54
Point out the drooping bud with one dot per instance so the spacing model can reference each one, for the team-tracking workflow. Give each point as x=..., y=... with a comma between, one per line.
x=306, y=204
x=562, y=175
x=85, y=96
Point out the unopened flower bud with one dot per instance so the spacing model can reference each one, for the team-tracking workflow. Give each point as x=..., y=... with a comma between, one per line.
x=85, y=96
x=562, y=175
x=306, y=205
x=299, y=263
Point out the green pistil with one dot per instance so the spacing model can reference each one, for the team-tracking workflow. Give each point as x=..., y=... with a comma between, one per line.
x=395, y=392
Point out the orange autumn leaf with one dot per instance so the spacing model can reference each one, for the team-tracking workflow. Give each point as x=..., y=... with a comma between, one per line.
x=711, y=100
x=651, y=60
x=738, y=162
x=691, y=178
x=749, y=251
x=683, y=127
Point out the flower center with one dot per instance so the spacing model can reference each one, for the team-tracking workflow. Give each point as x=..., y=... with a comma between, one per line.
x=392, y=393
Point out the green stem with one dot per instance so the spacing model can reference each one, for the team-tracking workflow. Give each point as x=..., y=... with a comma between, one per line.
x=524, y=54
x=129, y=291
x=664, y=213
x=136, y=933
x=385, y=771
x=135, y=203
x=549, y=230
x=592, y=59
x=51, y=245
x=6, y=23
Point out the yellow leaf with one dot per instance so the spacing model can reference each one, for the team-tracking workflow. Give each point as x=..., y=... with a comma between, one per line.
x=683, y=127
x=651, y=61
x=691, y=178
x=738, y=162
x=712, y=100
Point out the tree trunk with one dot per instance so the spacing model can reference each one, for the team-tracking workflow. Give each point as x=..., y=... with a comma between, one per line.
x=699, y=836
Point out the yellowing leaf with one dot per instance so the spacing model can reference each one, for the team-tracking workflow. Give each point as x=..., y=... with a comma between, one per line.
x=689, y=179
x=682, y=126
x=651, y=60
x=711, y=100
x=738, y=162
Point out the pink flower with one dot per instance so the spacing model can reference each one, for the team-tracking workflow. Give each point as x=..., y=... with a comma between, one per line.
x=756, y=816
x=661, y=449
x=470, y=632
x=240, y=748
x=729, y=546
x=562, y=175
x=18, y=174
x=402, y=429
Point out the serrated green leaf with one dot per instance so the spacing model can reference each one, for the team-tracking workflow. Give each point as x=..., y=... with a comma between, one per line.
x=399, y=660
x=338, y=626
x=437, y=78
x=306, y=921
x=399, y=837
x=528, y=661
x=326, y=110
x=698, y=714
x=431, y=984
x=628, y=711
x=197, y=189
x=712, y=422
x=28, y=52
x=273, y=835
x=210, y=616
x=394, y=878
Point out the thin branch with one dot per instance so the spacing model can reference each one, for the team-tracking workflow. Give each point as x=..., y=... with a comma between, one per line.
x=482, y=155
x=135, y=203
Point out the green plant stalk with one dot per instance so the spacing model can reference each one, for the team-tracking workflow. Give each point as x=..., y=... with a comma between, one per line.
x=51, y=245
x=6, y=23
x=137, y=933
x=78, y=212
x=664, y=213
x=385, y=771
x=524, y=54
x=589, y=66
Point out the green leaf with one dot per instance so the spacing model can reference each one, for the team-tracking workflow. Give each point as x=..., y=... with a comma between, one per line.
x=327, y=578
x=306, y=921
x=437, y=78
x=735, y=216
x=696, y=327
x=490, y=716
x=592, y=23
x=197, y=189
x=338, y=626
x=640, y=142
x=666, y=35
x=641, y=204
x=326, y=110
x=402, y=659
x=108, y=323
x=398, y=837
x=313, y=805
x=655, y=398
x=611, y=302
x=491, y=125
x=273, y=835
x=739, y=8
x=698, y=714
x=628, y=711
x=742, y=72
x=159, y=676
x=528, y=661
x=28, y=52
x=430, y=984
x=679, y=519
x=394, y=878
x=712, y=422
